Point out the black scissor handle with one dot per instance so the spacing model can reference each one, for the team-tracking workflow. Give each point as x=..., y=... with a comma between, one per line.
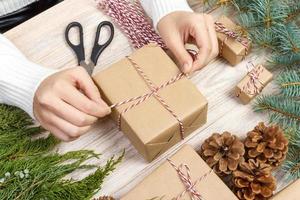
x=98, y=49
x=78, y=49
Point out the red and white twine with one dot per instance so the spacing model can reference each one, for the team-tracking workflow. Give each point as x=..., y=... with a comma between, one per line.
x=184, y=174
x=132, y=20
x=254, y=85
x=234, y=35
x=153, y=92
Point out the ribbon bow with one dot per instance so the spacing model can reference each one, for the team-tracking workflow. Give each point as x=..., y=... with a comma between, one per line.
x=184, y=174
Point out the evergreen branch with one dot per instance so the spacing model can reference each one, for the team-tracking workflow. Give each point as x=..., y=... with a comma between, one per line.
x=284, y=85
x=283, y=111
x=12, y=119
x=291, y=167
x=288, y=40
x=289, y=83
x=28, y=169
x=286, y=60
x=293, y=10
x=293, y=136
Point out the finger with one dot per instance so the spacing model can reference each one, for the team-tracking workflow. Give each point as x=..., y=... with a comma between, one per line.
x=176, y=45
x=60, y=135
x=200, y=33
x=53, y=130
x=78, y=100
x=213, y=37
x=86, y=85
x=65, y=127
x=71, y=114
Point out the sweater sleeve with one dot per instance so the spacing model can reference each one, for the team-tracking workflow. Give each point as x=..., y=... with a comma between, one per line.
x=157, y=9
x=19, y=78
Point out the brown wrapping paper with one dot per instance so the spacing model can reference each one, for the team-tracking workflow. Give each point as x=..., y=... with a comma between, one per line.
x=230, y=49
x=292, y=192
x=165, y=182
x=149, y=126
x=263, y=79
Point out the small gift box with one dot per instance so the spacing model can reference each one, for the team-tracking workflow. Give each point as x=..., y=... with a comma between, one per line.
x=292, y=192
x=233, y=46
x=253, y=83
x=154, y=104
x=185, y=176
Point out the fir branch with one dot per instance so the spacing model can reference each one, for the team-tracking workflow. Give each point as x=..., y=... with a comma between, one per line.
x=293, y=136
x=288, y=40
x=263, y=38
x=285, y=60
x=283, y=111
x=291, y=166
x=293, y=10
x=266, y=12
x=289, y=83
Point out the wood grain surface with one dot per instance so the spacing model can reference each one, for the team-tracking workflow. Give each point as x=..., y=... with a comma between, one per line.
x=41, y=39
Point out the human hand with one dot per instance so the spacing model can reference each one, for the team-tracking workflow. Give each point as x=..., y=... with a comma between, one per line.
x=67, y=103
x=180, y=27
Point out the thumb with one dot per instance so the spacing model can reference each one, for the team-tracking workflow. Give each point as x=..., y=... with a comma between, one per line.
x=176, y=45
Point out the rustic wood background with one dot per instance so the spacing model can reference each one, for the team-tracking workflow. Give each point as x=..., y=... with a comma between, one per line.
x=41, y=39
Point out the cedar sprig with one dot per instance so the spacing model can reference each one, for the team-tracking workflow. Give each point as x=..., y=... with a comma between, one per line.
x=30, y=168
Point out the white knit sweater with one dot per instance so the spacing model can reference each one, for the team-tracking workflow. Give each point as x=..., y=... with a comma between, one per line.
x=19, y=78
x=8, y=6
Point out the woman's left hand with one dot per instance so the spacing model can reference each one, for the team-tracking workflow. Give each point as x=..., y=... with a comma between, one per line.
x=180, y=27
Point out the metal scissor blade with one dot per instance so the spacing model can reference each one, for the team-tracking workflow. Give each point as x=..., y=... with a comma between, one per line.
x=88, y=67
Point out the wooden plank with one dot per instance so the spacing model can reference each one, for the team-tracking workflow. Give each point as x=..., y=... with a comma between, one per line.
x=42, y=40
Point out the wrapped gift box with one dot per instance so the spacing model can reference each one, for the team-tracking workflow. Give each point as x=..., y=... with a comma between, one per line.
x=150, y=126
x=165, y=183
x=253, y=83
x=230, y=48
x=292, y=192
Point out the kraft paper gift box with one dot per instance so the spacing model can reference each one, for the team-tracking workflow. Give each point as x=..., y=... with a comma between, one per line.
x=292, y=192
x=165, y=184
x=150, y=127
x=253, y=83
x=230, y=49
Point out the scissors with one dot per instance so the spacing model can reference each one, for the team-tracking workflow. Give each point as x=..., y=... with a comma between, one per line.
x=97, y=49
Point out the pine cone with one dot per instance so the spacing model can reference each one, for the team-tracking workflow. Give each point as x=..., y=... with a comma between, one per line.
x=105, y=198
x=253, y=181
x=223, y=153
x=267, y=144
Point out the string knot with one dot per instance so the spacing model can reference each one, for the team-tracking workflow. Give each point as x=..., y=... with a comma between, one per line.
x=184, y=174
x=153, y=93
x=221, y=28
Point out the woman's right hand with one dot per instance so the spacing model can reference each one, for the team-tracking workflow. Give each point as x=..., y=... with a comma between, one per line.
x=67, y=103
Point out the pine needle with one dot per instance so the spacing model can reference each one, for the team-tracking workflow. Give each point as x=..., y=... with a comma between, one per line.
x=283, y=111
x=289, y=83
x=291, y=167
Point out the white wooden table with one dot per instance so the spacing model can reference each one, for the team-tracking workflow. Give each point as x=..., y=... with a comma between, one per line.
x=41, y=39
